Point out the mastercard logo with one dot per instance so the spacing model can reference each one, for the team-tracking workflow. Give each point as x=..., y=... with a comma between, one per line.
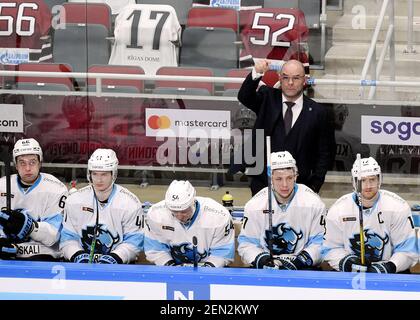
x=159, y=122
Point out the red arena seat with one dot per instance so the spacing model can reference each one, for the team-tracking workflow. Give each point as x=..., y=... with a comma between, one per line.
x=117, y=85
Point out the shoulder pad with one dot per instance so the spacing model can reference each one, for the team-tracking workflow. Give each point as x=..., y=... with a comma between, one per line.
x=393, y=196
x=53, y=180
x=129, y=194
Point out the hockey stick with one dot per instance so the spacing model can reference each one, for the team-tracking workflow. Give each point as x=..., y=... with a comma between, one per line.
x=8, y=177
x=359, y=200
x=95, y=229
x=194, y=240
x=269, y=192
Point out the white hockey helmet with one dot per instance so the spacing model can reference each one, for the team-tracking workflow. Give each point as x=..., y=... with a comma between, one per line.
x=180, y=195
x=103, y=160
x=282, y=160
x=27, y=146
x=369, y=167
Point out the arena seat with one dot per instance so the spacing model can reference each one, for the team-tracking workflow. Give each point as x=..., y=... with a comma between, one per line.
x=89, y=39
x=88, y=13
x=52, y=3
x=181, y=7
x=213, y=17
x=184, y=87
x=311, y=9
x=44, y=83
x=115, y=85
x=281, y=4
x=213, y=48
x=270, y=78
x=115, y=5
x=231, y=89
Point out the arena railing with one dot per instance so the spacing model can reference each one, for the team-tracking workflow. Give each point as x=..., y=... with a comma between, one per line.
x=214, y=170
x=370, y=62
x=410, y=16
x=363, y=82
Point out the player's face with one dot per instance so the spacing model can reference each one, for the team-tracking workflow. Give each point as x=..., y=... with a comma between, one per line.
x=292, y=79
x=28, y=167
x=101, y=180
x=183, y=215
x=370, y=187
x=284, y=181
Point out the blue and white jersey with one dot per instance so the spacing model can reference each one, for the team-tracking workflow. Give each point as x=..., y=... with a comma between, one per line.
x=166, y=238
x=297, y=226
x=44, y=202
x=388, y=231
x=119, y=225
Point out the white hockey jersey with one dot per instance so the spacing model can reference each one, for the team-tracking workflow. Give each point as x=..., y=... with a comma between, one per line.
x=44, y=202
x=146, y=36
x=115, y=5
x=166, y=238
x=388, y=231
x=119, y=225
x=297, y=226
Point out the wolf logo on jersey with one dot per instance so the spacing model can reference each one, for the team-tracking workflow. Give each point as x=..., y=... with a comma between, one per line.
x=374, y=245
x=105, y=240
x=184, y=254
x=285, y=239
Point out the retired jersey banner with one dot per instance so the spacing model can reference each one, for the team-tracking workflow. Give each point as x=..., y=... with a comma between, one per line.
x=391, y=130
x=11, y=118
x=174, y=123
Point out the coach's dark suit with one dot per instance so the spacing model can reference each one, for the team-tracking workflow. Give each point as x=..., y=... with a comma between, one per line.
x=309, y=140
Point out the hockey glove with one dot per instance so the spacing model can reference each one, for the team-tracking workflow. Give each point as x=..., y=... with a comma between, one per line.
x=111, y=258
x=351, y=263
x=264, y=261
x=170, y=263
x=8, y=250
x=208, y=264
x=80, y=257
x=17, y=225
x=382, y=267
x=302, y=260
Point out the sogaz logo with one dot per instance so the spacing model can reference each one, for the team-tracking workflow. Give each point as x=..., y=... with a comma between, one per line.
x=391, y=130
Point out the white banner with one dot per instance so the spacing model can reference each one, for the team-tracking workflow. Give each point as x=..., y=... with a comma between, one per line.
x=391, y=130
x=187, y=123
x=11, y=118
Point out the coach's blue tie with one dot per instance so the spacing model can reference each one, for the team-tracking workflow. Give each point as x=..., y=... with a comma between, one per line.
x=288, y=117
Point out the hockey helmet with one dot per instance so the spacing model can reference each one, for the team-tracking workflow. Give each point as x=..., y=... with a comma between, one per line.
x=341, y=112
x=103, y=160
x=282, y=160
x=180, y=195
x=27, y=146
x=368, y=167
x=244, y=118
